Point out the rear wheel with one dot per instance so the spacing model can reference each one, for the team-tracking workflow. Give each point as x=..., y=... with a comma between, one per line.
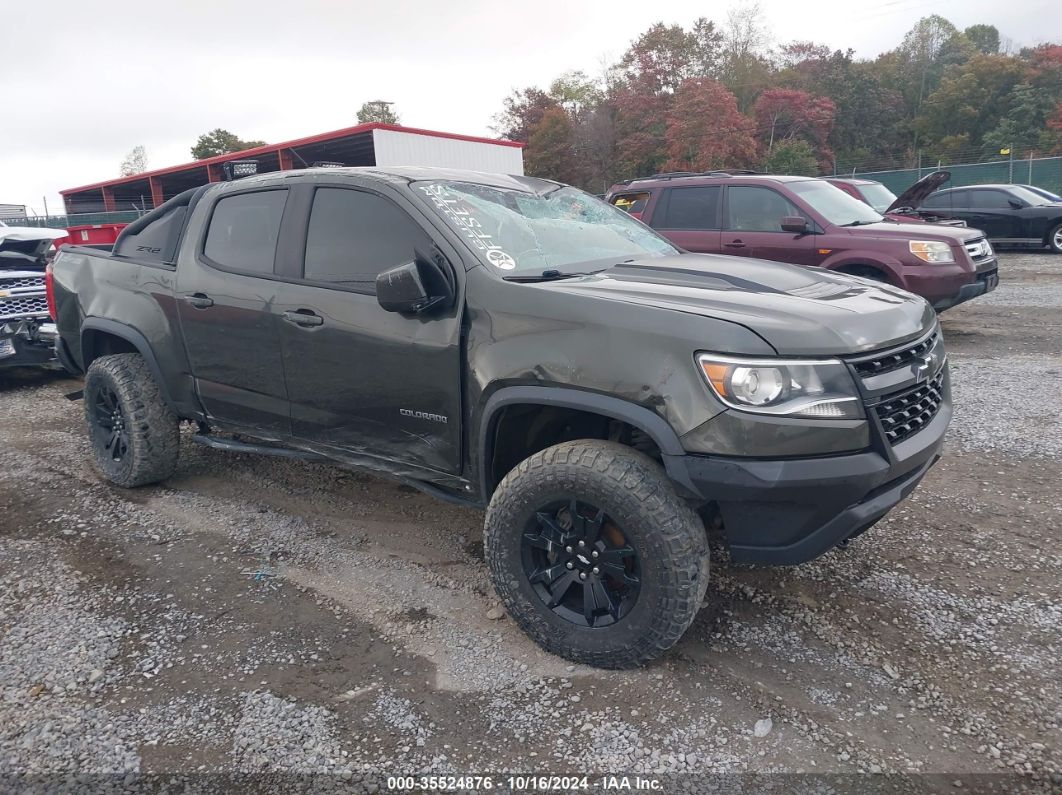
x=133, y=435
x=594, y=554
x=1054, y=239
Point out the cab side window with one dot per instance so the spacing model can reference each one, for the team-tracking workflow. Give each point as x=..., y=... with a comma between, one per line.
x=355, y=235
x=244, y=229
x=689, y=208
x=989, y=199
x=756, y=209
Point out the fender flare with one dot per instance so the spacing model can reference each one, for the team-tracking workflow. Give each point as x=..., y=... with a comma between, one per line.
x=870, y=259
x=134, y=338
x=646, y=420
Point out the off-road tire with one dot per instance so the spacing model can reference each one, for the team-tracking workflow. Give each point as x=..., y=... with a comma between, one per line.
x=1054, y=239
x=153, y=434
x=634, y=490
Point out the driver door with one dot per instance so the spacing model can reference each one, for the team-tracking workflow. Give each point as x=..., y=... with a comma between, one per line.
x=753, y=227
x=359, y=378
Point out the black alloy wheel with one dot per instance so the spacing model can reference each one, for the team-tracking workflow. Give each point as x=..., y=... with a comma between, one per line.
x=111, y=425
x=581, y=564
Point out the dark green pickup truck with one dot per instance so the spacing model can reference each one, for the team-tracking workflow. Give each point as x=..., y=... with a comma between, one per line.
x=516, y=345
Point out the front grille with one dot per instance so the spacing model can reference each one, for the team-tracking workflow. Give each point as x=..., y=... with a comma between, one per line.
x=886, y=363
x=23, y=306
x=978, y=249
x=29, y=281
x=906, y=413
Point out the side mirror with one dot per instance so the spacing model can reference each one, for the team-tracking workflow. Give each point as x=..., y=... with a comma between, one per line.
x=415, y=287
x=1017, y=205
x=795, y=223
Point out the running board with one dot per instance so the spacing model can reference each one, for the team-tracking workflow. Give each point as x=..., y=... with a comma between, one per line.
x=233, y=446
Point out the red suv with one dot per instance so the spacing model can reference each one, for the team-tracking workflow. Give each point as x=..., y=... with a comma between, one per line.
x=807, y=221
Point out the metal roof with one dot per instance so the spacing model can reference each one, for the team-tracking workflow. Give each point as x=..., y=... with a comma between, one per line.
x=355, y=133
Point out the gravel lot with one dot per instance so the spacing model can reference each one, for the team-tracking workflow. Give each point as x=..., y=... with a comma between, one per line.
x=269, y=620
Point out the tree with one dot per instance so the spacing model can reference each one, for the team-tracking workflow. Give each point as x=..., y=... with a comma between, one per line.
x=706, y=131
x=664, y=56
x=984, y=37
x=971, y=100
x=377, y=111
x=135, y=162
x=220, y=142
x=745, y=68
x=784, y=114
x=550, y=151
x=792, y=157
x=522, y=110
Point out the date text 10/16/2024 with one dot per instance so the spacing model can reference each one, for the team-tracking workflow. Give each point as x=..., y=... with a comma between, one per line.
x=523, y=783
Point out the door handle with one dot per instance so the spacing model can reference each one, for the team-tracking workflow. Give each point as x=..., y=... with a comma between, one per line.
x=199, y=301
x=735, y=244
x=304, y=318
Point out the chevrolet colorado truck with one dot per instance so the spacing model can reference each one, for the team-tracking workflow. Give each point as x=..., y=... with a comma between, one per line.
x=27, y=334
x=516, y=345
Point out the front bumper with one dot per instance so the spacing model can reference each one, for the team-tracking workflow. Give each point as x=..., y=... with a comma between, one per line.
x=790, y=511
x=950, y=291
x=26, y=343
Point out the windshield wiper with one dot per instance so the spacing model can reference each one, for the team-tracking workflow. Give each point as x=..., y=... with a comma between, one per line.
x=551, y=276
x=860, y=223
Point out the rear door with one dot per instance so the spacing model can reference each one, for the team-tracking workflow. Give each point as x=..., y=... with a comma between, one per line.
x=690, y=217
x=226, y=290
x=753, y=227
x=361, y=379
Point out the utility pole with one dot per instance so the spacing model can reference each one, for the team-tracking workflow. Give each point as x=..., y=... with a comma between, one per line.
x=45, y=200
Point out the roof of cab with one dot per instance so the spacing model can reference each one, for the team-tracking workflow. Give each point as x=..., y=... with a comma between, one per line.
x=698, y=179
x=406, y=174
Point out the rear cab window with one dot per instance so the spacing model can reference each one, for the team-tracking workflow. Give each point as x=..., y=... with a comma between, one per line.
x=243, y=231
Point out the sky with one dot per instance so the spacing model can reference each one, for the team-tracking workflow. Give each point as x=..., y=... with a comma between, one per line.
x=86, y=82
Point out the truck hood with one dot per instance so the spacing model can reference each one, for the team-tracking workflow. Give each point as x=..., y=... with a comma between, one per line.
x=22, y=244
x=917, y=193
x=797, y=311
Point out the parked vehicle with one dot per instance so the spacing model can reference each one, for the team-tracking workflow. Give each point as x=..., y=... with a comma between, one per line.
x=1009, y=214
x=1051, y=197
x=902, y=208
x=809, y=222
x=26, y=331
x=515, y=344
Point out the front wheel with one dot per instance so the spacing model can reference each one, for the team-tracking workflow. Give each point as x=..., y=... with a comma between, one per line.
x=594, y=554
x=1054, y=239
x=133, y=434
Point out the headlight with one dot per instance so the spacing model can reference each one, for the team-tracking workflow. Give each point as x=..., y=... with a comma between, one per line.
x=931, y=250
x=814, y=388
